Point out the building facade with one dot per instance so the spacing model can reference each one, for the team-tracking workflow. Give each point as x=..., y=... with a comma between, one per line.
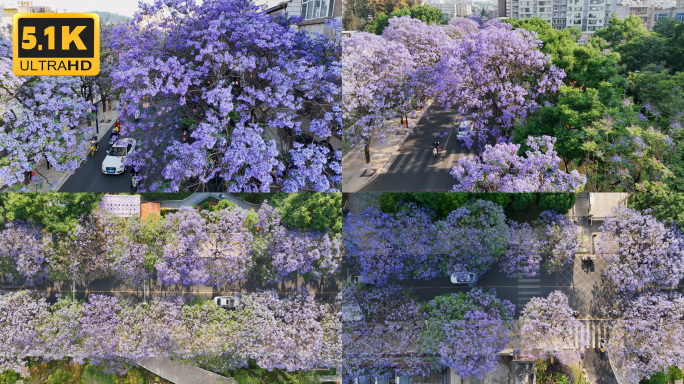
x=452, y=9
x=668, y=13
x=23, y=6
x=586, y=15
x=313, y=12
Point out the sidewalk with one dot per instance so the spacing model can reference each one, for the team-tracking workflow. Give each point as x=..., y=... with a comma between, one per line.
x=50, y=176
x=354, y=173
x=181, y=373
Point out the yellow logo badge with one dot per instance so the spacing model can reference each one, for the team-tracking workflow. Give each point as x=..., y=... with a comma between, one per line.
x=56, y=44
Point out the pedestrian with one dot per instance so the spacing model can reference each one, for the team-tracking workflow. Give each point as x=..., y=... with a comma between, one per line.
x=109, y=103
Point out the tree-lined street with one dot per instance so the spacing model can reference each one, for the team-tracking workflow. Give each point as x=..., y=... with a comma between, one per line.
x=587, y=303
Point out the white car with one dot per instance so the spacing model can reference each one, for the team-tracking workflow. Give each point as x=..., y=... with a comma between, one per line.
x=462, y=278
x=228, y=302
x=113, y=163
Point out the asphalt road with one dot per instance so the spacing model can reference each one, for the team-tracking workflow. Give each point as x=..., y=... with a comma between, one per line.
x=517, y=291
x=413, y=168
x=323, y=289
x=89, y=177
x=598, y=367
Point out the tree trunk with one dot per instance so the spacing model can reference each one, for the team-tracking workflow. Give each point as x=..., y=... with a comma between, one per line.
x=366, y=152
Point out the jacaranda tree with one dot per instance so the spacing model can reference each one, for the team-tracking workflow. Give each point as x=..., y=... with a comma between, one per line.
x=499, y=168
x=640, y=251
x=548, y=328
x=381, y=333
x=647, y=338
x=375, y=74
x=231, y=74
x=41, y=117
x=497, y=77
x=466, y=331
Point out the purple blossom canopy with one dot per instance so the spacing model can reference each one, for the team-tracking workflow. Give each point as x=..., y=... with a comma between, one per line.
x=648, y=337
x=234, y=76
x=466, y=331
x=548, y=328
x=641, y=251
x=500, y=169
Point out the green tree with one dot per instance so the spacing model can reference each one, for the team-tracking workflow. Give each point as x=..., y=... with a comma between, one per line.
x=310, y=211
x=426, y=13
x=55, y=212
x=619, y=31
x=665, y=206
x=382, y=20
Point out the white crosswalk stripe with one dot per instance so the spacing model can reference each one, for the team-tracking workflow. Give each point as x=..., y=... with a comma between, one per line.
x=594, y=332
x=422, y=161
x=527, y=289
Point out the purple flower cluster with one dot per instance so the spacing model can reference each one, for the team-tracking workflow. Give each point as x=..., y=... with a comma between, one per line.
x=459, y=64
x=500, y=169
x=41, y=118
x=648, y=336
x=233, y=75
x=522, y=257
x=381, y=333
x=548, y=328
x=411, y=244
x=641, y=251
x=22, y=255
x=290, y=333
x=292, y=252
x=560, y=242
x=466, y=331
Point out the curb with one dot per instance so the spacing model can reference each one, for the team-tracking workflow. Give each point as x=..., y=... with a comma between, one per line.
x=410, y=129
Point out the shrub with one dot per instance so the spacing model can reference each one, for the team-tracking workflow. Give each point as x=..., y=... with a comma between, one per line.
x=94, y=374
x=8, y=377
x=58, y=376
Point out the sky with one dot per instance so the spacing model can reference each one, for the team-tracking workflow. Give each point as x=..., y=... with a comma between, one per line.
x=122, y=7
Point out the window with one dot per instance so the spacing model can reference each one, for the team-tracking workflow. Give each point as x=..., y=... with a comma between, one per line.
x=660, y=16
x=679, y=16
x=314, y=9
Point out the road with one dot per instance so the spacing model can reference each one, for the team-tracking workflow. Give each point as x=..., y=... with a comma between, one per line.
x=413, y=168
x=517, y=291
x=89, y=177
x=323, y=289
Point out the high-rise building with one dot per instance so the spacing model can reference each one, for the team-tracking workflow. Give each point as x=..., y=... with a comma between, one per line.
x=451, y=9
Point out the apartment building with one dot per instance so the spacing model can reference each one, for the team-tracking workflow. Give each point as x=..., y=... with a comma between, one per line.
x=451, y=9
x=23, y=6
x=313, y=12
x=668, y=13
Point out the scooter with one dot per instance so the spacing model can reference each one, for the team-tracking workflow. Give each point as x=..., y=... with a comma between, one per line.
x=112, y=137
x=93, y=147
x=134, y=180
x=185, y=136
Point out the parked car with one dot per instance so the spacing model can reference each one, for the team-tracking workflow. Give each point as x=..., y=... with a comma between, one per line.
x=228, y=302
x=113, y=162
x=462, y=278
